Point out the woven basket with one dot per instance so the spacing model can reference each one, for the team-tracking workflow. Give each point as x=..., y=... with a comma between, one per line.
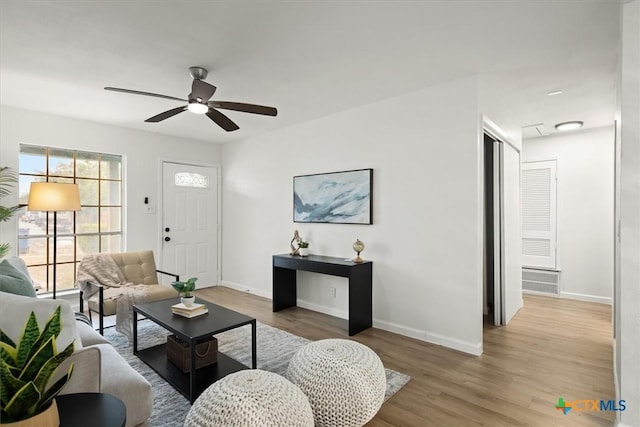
x=178, y=353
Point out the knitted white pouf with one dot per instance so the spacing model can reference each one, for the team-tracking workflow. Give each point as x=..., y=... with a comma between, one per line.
x=344, y=380
x=251, y=398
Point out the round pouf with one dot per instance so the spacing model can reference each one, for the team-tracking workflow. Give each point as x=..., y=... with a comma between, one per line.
x=344, y=380
x=251, y=398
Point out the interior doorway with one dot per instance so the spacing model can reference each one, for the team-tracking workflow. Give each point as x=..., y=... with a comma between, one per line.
x=502, y=267
x=190, y=222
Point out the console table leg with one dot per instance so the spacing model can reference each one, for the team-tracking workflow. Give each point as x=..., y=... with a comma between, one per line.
x=360, y=299
x=285, y=293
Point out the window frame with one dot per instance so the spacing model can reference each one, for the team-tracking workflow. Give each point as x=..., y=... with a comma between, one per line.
x=50, y=176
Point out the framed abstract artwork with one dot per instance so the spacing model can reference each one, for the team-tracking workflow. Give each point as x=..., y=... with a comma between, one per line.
x=335, y=197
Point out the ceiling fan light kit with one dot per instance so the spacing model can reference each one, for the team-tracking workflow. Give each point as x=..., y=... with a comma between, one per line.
x=197, y=107
x=198, y=102
x=572, y=125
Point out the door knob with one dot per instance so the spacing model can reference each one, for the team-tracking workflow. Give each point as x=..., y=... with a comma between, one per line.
x=167, y=229
x=167, y=239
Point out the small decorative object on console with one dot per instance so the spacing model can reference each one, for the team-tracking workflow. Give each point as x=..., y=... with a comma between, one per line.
x=303, y=247
x=296, y=238
x=358, y=246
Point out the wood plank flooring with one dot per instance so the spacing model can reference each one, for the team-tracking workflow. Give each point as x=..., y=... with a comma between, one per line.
x=552, y=348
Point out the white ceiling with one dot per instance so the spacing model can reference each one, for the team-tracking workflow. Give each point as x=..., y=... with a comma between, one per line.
x=309, y=59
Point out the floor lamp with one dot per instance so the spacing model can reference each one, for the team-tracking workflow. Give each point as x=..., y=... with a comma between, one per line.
x=54, y=197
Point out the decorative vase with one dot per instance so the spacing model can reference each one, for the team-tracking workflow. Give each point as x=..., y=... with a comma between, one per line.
x=47, y=418
x=358, y=246
x=304, y=252
x=188, y=301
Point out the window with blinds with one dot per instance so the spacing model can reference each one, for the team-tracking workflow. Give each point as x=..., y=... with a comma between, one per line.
x=539, y=214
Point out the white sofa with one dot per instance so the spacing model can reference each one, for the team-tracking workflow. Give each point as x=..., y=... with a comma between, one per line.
x=97, y=365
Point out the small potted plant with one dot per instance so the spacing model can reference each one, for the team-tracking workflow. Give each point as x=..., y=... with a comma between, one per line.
x=26, y=368
x=185, y=289
x=303, y=246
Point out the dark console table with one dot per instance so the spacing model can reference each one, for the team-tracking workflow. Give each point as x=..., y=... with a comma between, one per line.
x=285, y=292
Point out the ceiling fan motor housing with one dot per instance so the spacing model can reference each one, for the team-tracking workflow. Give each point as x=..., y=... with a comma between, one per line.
x=198, y=73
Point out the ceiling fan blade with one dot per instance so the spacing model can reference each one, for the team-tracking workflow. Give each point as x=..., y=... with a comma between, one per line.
x=245, y=108
x=170, y=113
x=202, y=90
x=221, y=120
x=137, y=92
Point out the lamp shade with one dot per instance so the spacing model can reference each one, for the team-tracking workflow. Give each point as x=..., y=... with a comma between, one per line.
x=53, y=197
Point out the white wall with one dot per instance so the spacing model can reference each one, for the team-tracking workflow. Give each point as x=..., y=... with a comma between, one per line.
x=142, y=153
x=425, y=241
x=585, y=167
x=628, y=293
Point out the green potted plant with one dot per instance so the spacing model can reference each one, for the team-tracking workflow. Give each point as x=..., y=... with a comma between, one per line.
x=303, y=246
x=8, y=178
x=185, y=289
x=25, y=370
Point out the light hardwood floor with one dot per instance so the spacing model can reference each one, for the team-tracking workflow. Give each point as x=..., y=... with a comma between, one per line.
x=552, y=348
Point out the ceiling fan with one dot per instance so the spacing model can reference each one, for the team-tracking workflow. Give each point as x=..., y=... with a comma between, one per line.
x=198, y=102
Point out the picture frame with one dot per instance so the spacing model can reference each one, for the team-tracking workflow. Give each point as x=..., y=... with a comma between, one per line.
x=334, y=197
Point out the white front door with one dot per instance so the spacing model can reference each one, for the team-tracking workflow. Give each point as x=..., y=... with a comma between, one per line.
x=190, y=222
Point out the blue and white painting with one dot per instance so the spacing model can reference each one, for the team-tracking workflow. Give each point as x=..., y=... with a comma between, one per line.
x=338, y=197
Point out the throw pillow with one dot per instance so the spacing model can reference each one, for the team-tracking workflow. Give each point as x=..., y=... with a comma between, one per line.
x=15, y=310
x=13, y=281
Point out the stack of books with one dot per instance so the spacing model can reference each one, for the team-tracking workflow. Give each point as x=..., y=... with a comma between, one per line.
x=194, y=310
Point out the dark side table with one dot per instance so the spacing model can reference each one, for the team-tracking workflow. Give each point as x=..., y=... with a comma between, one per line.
x=91, y=409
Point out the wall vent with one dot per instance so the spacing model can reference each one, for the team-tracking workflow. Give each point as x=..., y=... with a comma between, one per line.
x=543, y=281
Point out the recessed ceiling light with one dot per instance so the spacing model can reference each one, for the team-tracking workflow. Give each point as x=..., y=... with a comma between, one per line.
x=555, y=92
x=569, y=125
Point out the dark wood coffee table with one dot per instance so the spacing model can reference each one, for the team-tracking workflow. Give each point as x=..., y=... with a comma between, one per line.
x=217, y=320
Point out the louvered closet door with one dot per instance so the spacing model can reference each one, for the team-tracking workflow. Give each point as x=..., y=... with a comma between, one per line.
x=539, y=214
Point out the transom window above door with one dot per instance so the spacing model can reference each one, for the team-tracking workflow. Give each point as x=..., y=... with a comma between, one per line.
x=189, y=179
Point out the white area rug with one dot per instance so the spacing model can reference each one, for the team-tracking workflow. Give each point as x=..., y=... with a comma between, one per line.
x=275, y=348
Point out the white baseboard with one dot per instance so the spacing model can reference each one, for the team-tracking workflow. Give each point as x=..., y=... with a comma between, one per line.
x=572, y=295
x=323, y=309
x=473, y=349
x=544, y=294
x=248, y=289
x=583, y=297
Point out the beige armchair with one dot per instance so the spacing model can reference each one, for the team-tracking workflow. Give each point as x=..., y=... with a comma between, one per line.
x=104, y=278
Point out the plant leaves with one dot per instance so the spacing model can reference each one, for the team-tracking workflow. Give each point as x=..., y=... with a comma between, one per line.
x=43, y=354
x=47, y=370
x=29, y=336
x=8, y=353
x=10, y=383
x=4, y=249
x=6, y=339
x=8, y=178
x=7, y=213
x=24, y=403
x=55, y=389
x=52, y=328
